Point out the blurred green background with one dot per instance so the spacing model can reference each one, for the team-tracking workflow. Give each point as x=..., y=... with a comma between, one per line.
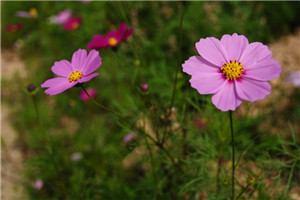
x=52, y=128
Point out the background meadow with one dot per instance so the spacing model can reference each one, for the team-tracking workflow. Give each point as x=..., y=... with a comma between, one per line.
x=72, y=149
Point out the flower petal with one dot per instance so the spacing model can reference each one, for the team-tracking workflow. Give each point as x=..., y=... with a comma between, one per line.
x=226, y=98
x=59, y=88
x=53, y=82
x=196, y=64
x=93, y=62
x=206, y=78
x=88, y=78
x=252, y=90
x=62, y=68
x=207, y=83
x=254, y=53
x=211, y=50
x=234, y=45
x=265, y=70
x=78, y=59
x=98, y=41
x=57, y=85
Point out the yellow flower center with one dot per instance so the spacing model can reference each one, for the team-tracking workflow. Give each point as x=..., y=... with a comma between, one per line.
x=232, y=70
x=74, y=76
x=112, y=41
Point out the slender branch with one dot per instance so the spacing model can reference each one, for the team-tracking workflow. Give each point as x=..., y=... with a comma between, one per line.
x=243, y=191
x=233, y=157
x=288, y=186
x=97, y=103
x=219, y=167
x=162, y=148
x=35, y=108
x=178, y=56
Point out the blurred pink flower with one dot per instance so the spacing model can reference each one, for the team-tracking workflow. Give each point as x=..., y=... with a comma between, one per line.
x=129, y=138
x=38, y=184
x=72, y=24
x=32, y=13
x=62, y=17
x=92, y=94
x=80, y=70
x=232, y=70
x=112, y=38
x=13, y=27
x=294, y=78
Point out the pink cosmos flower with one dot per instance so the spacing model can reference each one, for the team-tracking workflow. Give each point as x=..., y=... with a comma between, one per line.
x=72, y=24
x=232, y=69
x=112, y=38
x=80, y=70
x=92, y=94
x=62, y=17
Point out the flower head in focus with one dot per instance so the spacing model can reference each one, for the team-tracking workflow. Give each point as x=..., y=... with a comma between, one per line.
x=232, y=69
x=32, y=13
x=81, y=69
x=112, y=38
x=85, y=97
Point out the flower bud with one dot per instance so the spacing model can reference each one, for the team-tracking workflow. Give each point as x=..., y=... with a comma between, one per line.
x=144, y=87
x=31, y=88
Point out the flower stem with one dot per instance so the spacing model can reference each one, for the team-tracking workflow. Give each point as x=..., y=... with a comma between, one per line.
x=178, y=56
x=97, y=103
x=35, y=108
x=167, y=153
x=233, y=157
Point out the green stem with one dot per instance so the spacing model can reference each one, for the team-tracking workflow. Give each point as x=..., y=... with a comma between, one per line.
x=97, y=103
x=167, y=153
x=288, y=186
x=178, y=56
x=243, y=191
x=35, y=108
x=218, y=185
x=233, y=157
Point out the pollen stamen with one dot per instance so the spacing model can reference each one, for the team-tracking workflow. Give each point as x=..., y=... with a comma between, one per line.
x=74, y=76
x=232, y=70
